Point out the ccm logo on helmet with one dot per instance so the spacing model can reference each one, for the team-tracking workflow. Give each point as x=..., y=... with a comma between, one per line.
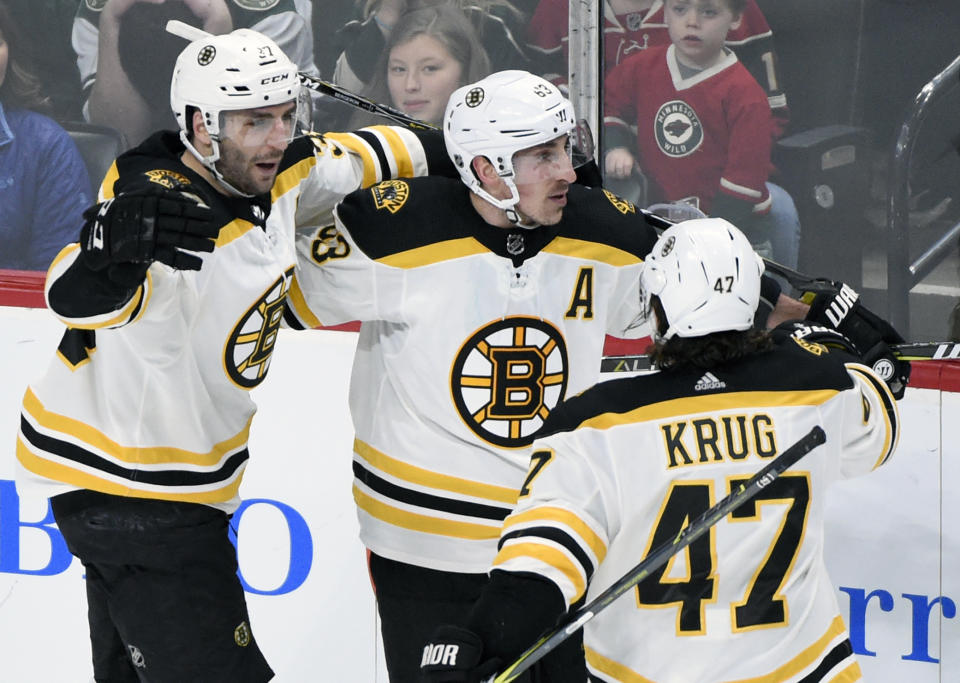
x=275, y=79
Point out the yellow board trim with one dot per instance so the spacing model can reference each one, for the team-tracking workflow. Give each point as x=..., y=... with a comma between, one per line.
x=424, y=477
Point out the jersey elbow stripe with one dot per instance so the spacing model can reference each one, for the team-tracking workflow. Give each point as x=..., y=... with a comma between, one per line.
x=559, y=537
x=519, y=556
x=428, y=479
x=554, y=516
x=416, y=521
x=428, y=501
x=891, y=414
x=399, y=141
x=360, y=146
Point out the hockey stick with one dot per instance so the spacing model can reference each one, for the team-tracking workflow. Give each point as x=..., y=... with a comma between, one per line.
x=184, y=30
x=911, y=351
x=659, y=555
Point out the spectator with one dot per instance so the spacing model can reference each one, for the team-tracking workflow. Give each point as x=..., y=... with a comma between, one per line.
x=631, y=26
x=430, y=53
x=495, y=22
x=125, y=86
x=54, y=59
x=44, y=186
x=703, y=127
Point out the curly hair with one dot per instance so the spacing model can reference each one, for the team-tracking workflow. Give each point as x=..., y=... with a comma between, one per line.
x=707, y=351
x=21, y=87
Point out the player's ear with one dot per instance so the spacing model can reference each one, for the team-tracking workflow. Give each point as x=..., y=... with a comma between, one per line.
x=737, y=20
x=484, y=170
x=200, y=134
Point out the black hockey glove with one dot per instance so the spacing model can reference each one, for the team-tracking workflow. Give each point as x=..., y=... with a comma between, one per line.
x=453, y=655
x=838, y=306
x=807, y=332
x=146, y=225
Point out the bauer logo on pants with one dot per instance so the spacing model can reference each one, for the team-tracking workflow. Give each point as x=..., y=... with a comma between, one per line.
x=507, y=378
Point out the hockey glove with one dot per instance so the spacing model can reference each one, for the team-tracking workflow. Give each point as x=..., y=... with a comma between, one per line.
x=806, y=332
x=146, y=225
x=453, y=655
x=838, y=306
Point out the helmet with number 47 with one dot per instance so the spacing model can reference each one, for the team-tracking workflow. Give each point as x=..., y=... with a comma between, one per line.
x=706, y=276
x=498, y=116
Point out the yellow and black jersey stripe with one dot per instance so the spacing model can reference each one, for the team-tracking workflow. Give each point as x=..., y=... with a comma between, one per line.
x=387, y=224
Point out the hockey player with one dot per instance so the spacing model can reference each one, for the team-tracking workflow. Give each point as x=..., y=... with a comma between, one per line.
x=624, y=466
x=172, y=300
x=483, y=307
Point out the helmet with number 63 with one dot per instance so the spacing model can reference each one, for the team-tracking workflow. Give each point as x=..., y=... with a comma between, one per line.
x=706, y=276
x=498, y=116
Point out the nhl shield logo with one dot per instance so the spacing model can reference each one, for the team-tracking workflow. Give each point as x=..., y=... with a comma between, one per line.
x=678, y=129
x=515, y=243
x=390, y=195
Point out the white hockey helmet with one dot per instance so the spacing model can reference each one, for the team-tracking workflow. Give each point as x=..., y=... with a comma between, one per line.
x=230, y=72
x=706, y=275
x=498, y=116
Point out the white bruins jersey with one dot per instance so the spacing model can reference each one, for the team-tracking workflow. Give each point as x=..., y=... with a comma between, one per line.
x=471, y=334
x=750, y=600
x=149, y=392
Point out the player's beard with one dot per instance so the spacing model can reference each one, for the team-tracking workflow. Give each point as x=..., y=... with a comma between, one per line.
x=237, y=169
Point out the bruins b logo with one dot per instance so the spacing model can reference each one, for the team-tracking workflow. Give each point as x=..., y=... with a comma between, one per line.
x=507, y=378
x=248, y=351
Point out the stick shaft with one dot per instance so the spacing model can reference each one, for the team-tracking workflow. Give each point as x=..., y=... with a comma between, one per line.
x=659, y=555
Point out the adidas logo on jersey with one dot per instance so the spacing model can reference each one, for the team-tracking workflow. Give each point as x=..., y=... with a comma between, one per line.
x=709, y=381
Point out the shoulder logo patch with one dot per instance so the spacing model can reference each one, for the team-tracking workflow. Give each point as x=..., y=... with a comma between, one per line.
x=168, y=178
x=507, y=377
x=622, y=205
x=390, y=195
x=256, y=5
x=678, y=129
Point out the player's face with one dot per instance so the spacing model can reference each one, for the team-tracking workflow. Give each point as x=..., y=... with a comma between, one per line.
x=699, y=28
x=421, y=75
x=252, y=141
x=542, y=175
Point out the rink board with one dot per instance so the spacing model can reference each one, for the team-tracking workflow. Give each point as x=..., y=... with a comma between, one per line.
x=893, y=545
